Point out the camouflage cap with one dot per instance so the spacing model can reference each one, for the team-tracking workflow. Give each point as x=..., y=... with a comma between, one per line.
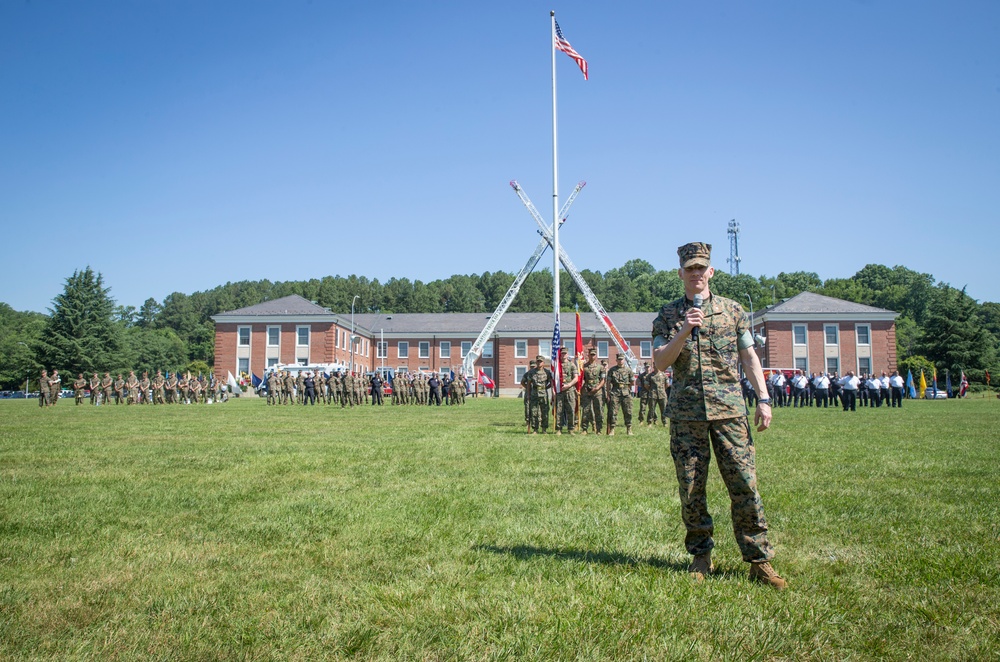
x=695, y=253
x=619, y=355
x=540, y=358
x=531, y=362
x=592, y=351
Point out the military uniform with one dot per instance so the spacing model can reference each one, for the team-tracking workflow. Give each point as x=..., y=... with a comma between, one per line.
x=643, y=392
x=95, y=390
x=620, y=379
x=526, y=385
x=592, y=396
x=707, y=411
x=656, y=383
x=566, y=398
x=540, y=381
x=79, y=386
x=119, y=388
x=43, y=389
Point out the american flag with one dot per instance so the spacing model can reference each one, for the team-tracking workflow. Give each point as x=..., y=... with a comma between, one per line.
x=564, y=46
x=556, y=363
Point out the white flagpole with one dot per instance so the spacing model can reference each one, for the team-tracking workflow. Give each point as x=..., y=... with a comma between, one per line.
x=555, y=188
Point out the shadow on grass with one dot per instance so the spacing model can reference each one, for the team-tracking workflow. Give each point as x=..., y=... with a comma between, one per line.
x=528, y=552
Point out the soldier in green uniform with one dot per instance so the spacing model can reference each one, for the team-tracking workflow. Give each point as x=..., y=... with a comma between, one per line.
x=656, y=382
x=43, y=389
x=592, y=394
x=704, y=338
x=540, y=381
x=132, y=388
x=566, y=398
x=119, y=390
x=526, y=385
x=55, y=387
x=79, y=386
x=620, y=379
x=170, y=387
x=144, y=389
x=158, y=385
x=643, y=392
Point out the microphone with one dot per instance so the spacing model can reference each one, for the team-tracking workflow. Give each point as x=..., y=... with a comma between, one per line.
x=697, y=301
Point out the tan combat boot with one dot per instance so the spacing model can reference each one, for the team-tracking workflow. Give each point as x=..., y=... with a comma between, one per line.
x=701, y=566
x=628, y=430
x=611, y=433
x=583, y=432
x=765, y=574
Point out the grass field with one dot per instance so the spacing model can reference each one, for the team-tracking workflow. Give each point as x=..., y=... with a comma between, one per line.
x=239, y=531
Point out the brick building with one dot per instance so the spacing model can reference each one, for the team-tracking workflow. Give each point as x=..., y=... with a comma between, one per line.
x=816, y=333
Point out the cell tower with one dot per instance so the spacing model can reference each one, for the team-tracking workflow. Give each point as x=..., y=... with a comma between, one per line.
x=734, y=248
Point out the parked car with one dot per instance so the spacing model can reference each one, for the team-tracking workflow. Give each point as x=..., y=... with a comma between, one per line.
x=939, y=394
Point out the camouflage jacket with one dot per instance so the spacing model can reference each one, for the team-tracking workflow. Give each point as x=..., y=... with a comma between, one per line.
x=593, y=373
x=706, y=376
x=620, y=379
x=656, y=383
x=539, y=380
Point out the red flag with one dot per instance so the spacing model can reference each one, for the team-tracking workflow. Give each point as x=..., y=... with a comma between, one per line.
x=987, y=377
x=485, y=380
x=578, y=351
x=563, y=45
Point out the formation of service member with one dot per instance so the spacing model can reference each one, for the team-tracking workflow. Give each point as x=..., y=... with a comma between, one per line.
x=592, y=394
x=704, y=344
x=620, y=379
x=656, y=384
x=566, y=399
x=540, y=380
x=79, y=386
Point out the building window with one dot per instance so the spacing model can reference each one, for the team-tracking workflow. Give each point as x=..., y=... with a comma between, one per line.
x=381, y=349
x=488, y=371
x=799, y=334
x=273, y=336
x=424, y=350
x=832, y=364
x=403, y=349
x=244, y=336
x=302, y=336
x=864, y=365
x=545, y=348
x=864, y=334
x=520, y=349
x=273, y=361
x=466, y=347
x=303, y=361
x=519, y=372
x=444, y=370
x=444, y=349
x=243, y=366
x=831, y=334
x=646, y=349
x=602, y=349
x=802, y=363
x=488, y=350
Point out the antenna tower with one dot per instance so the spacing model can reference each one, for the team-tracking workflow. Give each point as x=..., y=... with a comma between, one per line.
x=734, y=248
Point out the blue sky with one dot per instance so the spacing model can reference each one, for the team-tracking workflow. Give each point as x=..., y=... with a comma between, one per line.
x=176, y=145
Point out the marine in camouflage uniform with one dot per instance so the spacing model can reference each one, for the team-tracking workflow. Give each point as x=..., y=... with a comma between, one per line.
x=707, y=412
x=592, y=394
x=643, y=392
x=540, y=381
x=79, y=386
x=620, y=379
x=43, y=389
x=526, y=385
x=95, y=390
x=566, y=398
x=656, y=383
x=158, y=385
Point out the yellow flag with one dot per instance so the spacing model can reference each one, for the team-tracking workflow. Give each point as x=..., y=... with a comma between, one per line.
x=923, y=384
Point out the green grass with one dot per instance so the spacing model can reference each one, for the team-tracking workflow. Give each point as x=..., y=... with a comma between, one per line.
x=247, y=532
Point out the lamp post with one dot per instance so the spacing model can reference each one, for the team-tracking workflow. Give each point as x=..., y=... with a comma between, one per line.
x=356, y=297
x=751, y=313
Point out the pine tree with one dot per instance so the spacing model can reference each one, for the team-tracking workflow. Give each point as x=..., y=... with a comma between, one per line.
x=953, y=336
x=81, y=334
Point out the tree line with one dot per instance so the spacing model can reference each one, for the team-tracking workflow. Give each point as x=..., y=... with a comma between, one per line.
x=939, y=326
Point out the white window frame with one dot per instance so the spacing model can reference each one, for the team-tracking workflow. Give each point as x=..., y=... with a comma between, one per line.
x=864, y=371
x=273, y=361
x=424, y=350
x=442, y=353
x=269, y=330
x=519, y=372
x=602, y=349
x=239, y=363
x=545, y=348
x=488, y=351
x=239, y=336
x=298, y=335
x=802, y=363
x=403, y=349
x=836, y=364
x=645, y=349
x=466, y=347
x=826, y=335
x=521, y=348
x=805, y=335
x=868, y=333
x=382, y=349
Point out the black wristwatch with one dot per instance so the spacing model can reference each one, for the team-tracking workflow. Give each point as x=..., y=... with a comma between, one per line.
x=764, y=401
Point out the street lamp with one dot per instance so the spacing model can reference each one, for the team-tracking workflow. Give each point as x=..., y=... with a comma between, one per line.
x=356, y=297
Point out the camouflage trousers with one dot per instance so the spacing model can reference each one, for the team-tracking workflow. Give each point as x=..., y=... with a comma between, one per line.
x=624, y=402
x=539, y=413
x=654, y=404
x=643, y=407
x=591, y=412
x=734, y=451
x=566, y=409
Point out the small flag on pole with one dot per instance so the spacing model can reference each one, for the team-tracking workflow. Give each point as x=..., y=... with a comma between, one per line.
x=556, y=363
x=563, y=45
x=911, y=389
x=485, y=380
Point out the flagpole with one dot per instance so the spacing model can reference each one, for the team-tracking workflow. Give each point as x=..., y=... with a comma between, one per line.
x=555, y=187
